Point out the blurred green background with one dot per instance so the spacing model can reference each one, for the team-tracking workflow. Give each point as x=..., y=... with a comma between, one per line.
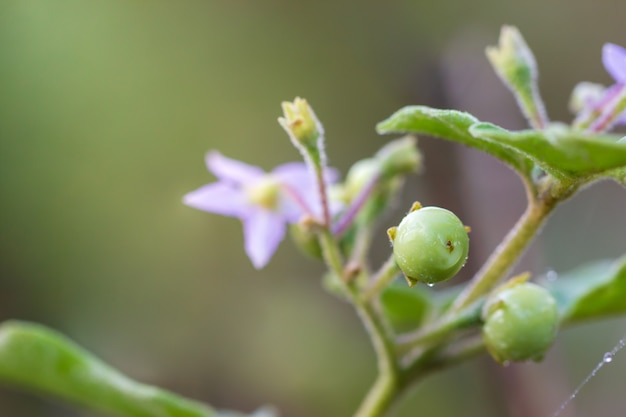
x=107, y=110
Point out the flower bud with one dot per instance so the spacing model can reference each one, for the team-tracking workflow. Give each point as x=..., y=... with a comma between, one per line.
x=359, y=176
x=584, y=96
x=515, y=64
x=306, y=240
x=399, y=157
x=521, y=322
x=301, y=124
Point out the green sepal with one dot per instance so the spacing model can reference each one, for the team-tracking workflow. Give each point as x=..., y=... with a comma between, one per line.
x=406, y=308
x=558, y=151
x=455, y=126
x=591, y=291
x=39, y=359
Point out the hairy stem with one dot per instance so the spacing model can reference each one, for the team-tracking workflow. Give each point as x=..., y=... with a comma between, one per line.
x=507, y=253
x=323, y=193
x=385, y=390
x=380, y=397
x=385, y=275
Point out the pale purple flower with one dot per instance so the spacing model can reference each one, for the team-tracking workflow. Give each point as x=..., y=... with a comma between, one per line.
x=599, y=103
x=264, y=202
x=614, y=60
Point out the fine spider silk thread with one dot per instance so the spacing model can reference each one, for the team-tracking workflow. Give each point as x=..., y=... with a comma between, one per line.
x=607, y=358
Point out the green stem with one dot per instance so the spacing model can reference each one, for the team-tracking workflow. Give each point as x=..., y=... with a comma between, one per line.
x=532, y=106
x=428, y=363
x=385, y=275
x=321, y=184
x=384, y=390
x=380, y=397
x=441, y=329
x=331, y=253
x=507, y=253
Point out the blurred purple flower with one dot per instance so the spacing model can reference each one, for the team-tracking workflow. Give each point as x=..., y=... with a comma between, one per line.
x=264, y=202
x=614, y=60
x=589, y=99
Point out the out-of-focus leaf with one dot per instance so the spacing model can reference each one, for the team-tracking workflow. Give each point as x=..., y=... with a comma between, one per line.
x=591, y=291
x=452, y=125
x=37, y=358
x=405, y=307
x=561, y=152
x=261, y=412
x=619, y=175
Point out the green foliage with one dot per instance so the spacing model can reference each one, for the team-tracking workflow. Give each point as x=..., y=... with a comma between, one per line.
x=619, y=175
x=591, y=291
x=38, y=358
x=406, y=308
x=561, y=152
x=455, y=126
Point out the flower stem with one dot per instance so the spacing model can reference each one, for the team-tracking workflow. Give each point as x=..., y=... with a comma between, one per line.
x=332, y=254
x=385, y=275
x=612, y=112
x=379, y=398
x=355, y=206
x=321, y=185
x=384, y=390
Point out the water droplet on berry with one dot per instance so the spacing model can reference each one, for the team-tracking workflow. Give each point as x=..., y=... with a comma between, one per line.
x=608, y=357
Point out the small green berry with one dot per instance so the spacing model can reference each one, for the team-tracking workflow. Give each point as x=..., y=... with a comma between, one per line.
x=430, y=245
x=521, y=322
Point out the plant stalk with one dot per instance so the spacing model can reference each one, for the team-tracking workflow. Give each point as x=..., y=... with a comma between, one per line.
x=507, y=253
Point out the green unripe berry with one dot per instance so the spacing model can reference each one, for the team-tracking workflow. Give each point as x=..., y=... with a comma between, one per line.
x=521, y=323
x=430, y=245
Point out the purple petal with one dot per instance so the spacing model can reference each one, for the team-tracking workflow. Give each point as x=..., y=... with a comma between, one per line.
x=301, y=193
x=297, y=173
x=227, y=169
x=614, y=60
x=331, y=175
x=220, y=198
x=263, y=230
x=294, y=174
x=293, y=206
x=621, y=120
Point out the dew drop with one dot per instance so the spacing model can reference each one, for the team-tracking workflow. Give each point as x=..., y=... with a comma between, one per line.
x=430, y=285
x=552, y=275
x=608, y=357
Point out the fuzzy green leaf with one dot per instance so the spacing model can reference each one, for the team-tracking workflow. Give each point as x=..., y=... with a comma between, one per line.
x=619, y=175
x=561, y=152
x=37, y=358
x=592, y=291
x=455, y=126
